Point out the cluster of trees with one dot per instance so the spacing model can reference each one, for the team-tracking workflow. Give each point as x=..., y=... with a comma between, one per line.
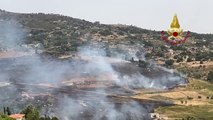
x=31, y=113
x=7, y=111
x=133, y=30
x=204, y=56
x=207, y=37
x=105, y=32
x=5, y=114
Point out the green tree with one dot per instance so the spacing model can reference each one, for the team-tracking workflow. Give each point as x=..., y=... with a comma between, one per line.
x=31, y=113
x=210, y=76
x=54, y=118
x=169, y=62
x=5, y=112
x=8, y=111
x=189, y=59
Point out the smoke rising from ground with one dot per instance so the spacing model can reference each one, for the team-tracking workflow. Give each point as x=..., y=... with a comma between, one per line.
x=101, y=109
x=12, y=35
x=96, y=107
x=24, y=77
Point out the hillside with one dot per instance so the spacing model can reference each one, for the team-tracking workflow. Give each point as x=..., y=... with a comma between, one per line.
x=59, y=64
x=60, y=34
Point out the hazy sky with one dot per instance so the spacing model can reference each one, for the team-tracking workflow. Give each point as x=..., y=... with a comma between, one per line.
x=194, y=15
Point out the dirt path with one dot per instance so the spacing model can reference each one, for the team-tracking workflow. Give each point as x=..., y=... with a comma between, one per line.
x=13, y=54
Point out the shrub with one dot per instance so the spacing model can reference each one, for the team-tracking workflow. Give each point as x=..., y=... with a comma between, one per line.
x=210, y=76
x=169, y=62
x=189, y=59
x=180, y=59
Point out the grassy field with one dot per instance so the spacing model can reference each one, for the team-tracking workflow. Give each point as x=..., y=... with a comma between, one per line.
x=192, y=102
x=204, y=112
x=195, y=111
x=201, y=86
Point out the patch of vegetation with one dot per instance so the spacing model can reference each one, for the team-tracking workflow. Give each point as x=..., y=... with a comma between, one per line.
x=183, y=112
x=169, y=62
x=60, y=35
x=105, y=32
x=5, y=117
x=203, y=87
x=31, y=113
x=192, y=112
x=189, y=59
x=196, y=72
x=159, y=97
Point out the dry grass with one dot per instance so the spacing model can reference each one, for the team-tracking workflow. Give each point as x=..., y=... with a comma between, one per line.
x=203, y=112
x=188, y=104
x=197, y=108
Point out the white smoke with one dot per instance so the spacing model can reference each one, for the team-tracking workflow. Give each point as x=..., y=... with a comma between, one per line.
x=27, y=74
x=12, y=35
